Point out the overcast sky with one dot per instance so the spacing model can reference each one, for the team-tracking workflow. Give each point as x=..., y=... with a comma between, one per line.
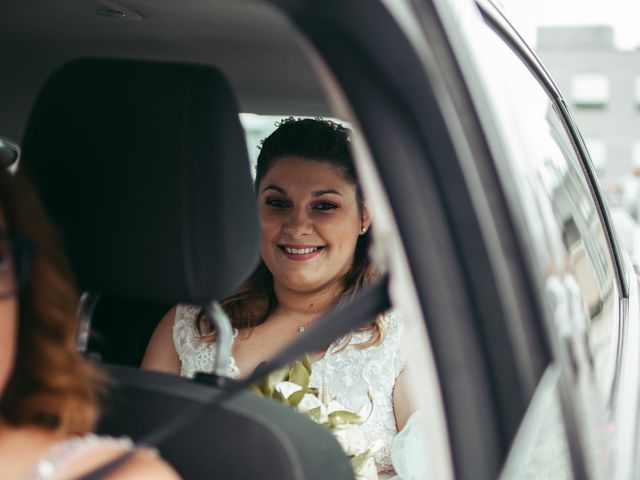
x=623, y=15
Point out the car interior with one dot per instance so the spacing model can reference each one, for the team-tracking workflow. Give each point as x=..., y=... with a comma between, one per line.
x=157, y=221
x=138, y=121
x=272, y=70
x=141, y=160
x=252, y=44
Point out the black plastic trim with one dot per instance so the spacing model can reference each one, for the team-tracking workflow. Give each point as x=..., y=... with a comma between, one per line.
x=401, y=117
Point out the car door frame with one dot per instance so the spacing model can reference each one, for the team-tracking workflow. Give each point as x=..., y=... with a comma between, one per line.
x=412, y=106
x=624, y=397
x=626, y=283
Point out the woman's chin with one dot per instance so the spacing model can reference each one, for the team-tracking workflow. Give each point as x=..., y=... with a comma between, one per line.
x=303, y=285
x=306, y=283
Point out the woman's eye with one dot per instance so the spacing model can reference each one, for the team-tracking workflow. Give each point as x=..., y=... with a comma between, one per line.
x=325, y=206
x=277, y=203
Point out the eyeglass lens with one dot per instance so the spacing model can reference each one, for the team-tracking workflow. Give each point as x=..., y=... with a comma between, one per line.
x=8, y=282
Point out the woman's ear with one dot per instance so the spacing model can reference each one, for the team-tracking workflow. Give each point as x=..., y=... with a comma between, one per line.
x=366, y=220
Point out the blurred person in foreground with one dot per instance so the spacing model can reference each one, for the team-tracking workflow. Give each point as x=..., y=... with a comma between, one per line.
x=48, y=392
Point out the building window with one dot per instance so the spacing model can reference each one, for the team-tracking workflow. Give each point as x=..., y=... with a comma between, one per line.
x=598, y=153
x=590, y=90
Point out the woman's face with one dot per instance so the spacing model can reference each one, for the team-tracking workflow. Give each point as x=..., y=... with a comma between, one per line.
x=310, y=222
x=8, y=309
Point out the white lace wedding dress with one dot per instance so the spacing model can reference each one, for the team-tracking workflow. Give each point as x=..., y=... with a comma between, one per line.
x=347, y=374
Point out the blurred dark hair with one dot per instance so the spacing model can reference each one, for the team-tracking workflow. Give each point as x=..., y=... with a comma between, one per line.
x=316, y=140
x=51, y=385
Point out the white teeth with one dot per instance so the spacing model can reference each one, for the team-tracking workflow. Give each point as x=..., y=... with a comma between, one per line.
x=300, y=251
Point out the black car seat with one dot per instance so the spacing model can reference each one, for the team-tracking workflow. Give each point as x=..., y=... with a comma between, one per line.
x=144, y=168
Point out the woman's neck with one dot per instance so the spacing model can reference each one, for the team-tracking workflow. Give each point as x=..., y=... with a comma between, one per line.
x=305, y=306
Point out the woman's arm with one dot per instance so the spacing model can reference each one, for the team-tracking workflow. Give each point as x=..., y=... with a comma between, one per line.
x=161, y=353
x=144, y=466
x=402, y=407
x=144, y=463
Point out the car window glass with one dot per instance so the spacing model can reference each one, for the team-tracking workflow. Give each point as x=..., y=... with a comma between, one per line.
x=257, y=127
x=552, y=159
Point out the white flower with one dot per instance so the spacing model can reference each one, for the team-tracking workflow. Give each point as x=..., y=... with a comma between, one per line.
x=323, y=408
x=287, y=388
x=368, y=471
x=351, y=439
x=311, y=402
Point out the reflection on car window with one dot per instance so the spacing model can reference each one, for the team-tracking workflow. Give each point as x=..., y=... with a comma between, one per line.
x=555, y=163
x=541, y=449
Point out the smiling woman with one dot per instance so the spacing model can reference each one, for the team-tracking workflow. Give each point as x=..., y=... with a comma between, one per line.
x=310, y=222
x=314, y=227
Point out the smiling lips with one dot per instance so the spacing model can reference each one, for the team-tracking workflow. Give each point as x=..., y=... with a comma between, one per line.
x=300, y=252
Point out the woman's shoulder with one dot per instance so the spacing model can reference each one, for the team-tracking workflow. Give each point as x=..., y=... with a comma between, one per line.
x=392, y=345
x=393, y=323
x=391, y=328
x=79, y=455
x=145, y=464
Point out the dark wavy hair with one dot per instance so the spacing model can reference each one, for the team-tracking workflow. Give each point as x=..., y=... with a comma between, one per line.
x=317, y=140
x=51, y=385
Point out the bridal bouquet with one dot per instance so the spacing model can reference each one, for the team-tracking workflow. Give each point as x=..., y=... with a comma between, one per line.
x=290, y=386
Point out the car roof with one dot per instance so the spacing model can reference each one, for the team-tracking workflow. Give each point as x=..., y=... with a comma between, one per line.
x=250, y=41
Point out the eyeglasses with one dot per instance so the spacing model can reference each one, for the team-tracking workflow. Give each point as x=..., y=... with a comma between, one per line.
x=15, y=262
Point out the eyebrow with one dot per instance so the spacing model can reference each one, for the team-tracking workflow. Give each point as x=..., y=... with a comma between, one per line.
x=276, y=188
x=318, y=193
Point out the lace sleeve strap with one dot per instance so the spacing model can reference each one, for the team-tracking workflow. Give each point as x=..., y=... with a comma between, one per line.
x=184, y=328
x=186, y=314
x=185, y=336
x=394, y=322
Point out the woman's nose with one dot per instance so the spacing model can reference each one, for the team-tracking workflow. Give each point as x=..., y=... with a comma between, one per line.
x=297, y=224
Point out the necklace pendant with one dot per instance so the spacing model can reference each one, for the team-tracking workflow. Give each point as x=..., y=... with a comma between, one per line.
x=301, y=328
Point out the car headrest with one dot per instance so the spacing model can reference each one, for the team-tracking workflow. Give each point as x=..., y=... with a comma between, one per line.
x=144, y=168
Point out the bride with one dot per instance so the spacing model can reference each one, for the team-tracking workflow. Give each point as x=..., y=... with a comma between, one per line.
x=315, y=234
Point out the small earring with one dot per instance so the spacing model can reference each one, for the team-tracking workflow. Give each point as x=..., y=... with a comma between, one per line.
x=364, y=229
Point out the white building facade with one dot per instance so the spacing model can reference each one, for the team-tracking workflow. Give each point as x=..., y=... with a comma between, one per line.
x=602, y=86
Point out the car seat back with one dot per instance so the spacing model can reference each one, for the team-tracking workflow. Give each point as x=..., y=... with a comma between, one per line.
x=144, y=167
x=247, y=437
